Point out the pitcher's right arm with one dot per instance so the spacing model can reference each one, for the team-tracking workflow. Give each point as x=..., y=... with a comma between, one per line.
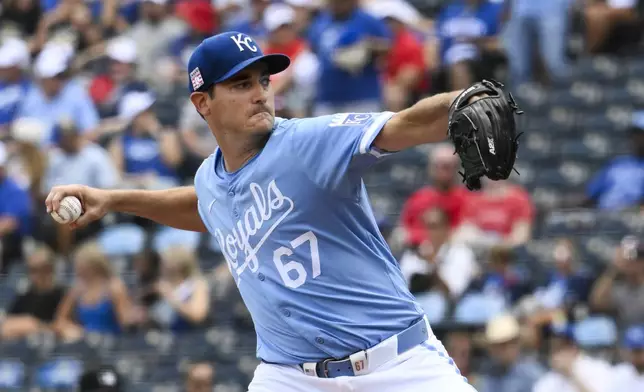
x=175, y=207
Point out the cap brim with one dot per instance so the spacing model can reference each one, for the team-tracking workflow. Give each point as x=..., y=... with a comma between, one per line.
x=276, y=63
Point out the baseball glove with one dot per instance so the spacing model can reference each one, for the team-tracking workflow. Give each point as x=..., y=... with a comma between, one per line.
x=484, y=132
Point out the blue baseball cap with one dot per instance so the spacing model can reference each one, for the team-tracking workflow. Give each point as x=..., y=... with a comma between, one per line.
x=222, y=56
x=634, y=337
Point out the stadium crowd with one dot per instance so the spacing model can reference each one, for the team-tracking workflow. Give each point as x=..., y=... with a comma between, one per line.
x=94, y=93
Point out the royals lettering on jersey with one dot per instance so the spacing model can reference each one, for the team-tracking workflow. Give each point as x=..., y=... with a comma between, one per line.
x=266, y=204
x=299, y=236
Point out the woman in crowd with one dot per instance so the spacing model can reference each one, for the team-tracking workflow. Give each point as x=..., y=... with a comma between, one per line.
x=184, y=295
x=97, y=302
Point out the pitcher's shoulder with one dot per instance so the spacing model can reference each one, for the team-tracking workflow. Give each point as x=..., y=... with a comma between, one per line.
x=206, y=170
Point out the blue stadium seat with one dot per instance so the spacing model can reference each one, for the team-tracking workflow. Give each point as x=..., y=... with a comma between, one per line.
x=477, y=309
x=13, y=375
x=58, y=373
x=596, y=332
x=434, y=305
x=165, y=373
x=122, y=240
x=21, y=350
x=196, y=345
x=80, y=350
x=167, y=237
x=635, y=67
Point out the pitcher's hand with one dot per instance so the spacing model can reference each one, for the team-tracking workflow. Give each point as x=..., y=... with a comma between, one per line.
x=95, y=202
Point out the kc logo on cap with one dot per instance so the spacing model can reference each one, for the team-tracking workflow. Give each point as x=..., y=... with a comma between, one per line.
x=242, y=39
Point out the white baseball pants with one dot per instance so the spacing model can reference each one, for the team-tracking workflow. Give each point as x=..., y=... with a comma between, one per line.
x=425, y=368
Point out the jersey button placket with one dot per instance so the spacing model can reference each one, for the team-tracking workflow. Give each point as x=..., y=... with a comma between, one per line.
x=319, y=340
x=261, y=277
x=286, y=313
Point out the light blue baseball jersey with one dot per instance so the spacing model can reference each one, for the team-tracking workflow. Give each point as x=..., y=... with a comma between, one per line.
x=302, y=243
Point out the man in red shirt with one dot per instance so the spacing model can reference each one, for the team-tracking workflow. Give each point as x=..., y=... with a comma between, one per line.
x=405, y=71
x=445, y=193
x=502, y=213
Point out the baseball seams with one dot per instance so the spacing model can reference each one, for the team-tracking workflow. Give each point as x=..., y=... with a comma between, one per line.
x=69, y=211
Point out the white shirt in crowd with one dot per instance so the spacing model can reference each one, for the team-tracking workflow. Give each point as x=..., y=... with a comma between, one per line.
x=596, y=375
x=627, y=379
x=457, y=266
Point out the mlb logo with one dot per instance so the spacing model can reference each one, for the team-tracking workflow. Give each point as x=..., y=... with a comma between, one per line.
x=196, y=79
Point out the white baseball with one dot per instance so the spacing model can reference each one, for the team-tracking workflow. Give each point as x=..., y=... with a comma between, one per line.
x=70, y=209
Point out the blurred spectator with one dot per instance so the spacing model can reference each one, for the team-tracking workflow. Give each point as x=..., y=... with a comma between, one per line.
x=294, y=88
x=621, y=287
x=573, y=370
x=444, y=192
x=15, y=215
x=184, y=293
x=405, y=78
x=200, y=378
x=568, y=286
x=154, y=21
x=231, y=12
x=76, y=160
x=613, y=24
x=467, y=38
x=107, y=90
x=508, y=370
x=501, y=278
x=502, y=213
x=621, y=183
x=35, y=309
x=200, y=17
x=305, y=12
x=57, y=95
x=71, y=23
x=196, y=137
x=546, y=20
x=439, y=263
x=251, y=23
x=146, y=155
x=346, y=38
x=458, y=344
x=27, y=163
x=20, y=18
x=14, y=83
x=97, y=302
x=147, y=266
x=629, y=376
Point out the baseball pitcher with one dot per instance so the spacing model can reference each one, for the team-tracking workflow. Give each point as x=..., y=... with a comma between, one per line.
x=286, y=202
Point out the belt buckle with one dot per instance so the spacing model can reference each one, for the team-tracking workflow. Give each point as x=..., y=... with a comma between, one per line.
x=325, y=369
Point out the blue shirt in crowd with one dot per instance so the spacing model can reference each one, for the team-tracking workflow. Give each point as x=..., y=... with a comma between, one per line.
x=10, y=97
x=142, y=154
x=15, y=202
x=72, y=102
x=337, y=86
x=459, y=22
x=620, y=184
